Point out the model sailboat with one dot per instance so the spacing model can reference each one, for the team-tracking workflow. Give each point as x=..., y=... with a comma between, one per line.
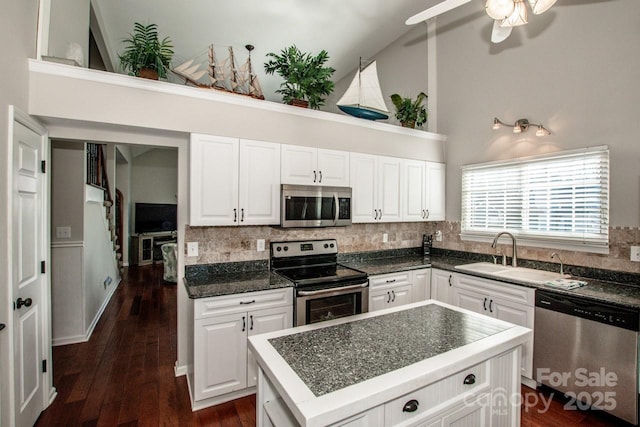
x=364, y=98
x=223, y=74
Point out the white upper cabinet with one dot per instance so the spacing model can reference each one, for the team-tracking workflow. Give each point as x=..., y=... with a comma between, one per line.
x=435, y=174
x=375, y=182
x=233, y=182
x=314, y=166
x=422, y=191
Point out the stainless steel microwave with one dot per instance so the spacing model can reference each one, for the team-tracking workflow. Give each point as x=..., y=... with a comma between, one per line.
x=315, y=206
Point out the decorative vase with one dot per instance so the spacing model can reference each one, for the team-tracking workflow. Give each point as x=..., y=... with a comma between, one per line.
x=147, y=73
x=299, y=103
x=409, y=124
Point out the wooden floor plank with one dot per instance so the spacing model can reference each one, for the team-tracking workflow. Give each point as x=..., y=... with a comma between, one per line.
x=124, y=375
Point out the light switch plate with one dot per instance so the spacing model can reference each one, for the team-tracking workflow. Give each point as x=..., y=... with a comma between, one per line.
x=260, y=245
x=63, y=232
x=635, y=253
x=385, y=238
x=192, y=248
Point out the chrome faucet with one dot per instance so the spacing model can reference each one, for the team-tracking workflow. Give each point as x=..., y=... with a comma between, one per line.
x=514, y=258
x=556, y=255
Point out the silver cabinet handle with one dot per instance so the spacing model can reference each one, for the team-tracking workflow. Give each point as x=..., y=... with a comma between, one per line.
x=450, y=277
x=251, y=322
x=244, y=323
x=394, y=296
x=491, y=306
x=235, y=214
x=380, y=213
x=242, y=215
x=388, y=297
x=484, y=304
x=375, y=213
x=247, y=302
x=315, y=176
x=427, y=215
x=320, y=173
x=391, y=281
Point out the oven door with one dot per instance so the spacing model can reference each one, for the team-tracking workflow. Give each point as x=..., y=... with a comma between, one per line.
x=315, y=206
x=314, y=306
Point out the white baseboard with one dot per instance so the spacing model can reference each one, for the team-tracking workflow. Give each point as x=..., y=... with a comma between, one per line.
x=528, y=382
x=180, y=370
x=75, y=339
x=96, y=318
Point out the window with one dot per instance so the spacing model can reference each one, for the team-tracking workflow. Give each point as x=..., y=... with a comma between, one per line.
x=559, y=200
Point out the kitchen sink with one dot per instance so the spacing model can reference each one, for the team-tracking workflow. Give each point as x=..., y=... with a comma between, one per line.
x=528, y=275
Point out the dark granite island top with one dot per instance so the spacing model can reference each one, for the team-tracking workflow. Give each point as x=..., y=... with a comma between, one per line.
x=327, y=371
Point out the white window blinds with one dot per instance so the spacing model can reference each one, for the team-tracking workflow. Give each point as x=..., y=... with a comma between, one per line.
x=557, y=200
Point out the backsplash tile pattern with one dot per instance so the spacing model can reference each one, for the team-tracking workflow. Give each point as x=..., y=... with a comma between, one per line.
x=620, y=240
x=230, y=244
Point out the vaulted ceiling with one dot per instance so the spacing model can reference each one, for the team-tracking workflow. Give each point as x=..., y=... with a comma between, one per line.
x=346, y=29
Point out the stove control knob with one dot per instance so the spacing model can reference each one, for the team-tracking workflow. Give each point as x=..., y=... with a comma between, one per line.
x=326, y=245
x=332, y=245
x=278, y=248
x=286, y=248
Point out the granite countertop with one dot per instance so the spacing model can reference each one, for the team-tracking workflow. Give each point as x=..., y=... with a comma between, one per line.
x=335, y=357
x=623, y=295
x=389, y=265
x=234, y=283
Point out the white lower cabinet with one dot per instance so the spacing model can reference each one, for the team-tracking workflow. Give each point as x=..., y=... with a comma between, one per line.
x=442, y=285
x=395, y=289
x=511, y=303
x=222, y=363
x=371, y=418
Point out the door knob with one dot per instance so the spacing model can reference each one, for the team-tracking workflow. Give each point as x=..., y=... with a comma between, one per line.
x=20, y=302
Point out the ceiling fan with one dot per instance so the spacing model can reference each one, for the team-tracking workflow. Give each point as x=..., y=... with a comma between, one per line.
x=506, y=14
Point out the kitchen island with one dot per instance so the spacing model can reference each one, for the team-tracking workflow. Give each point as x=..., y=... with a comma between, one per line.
x=427, y=364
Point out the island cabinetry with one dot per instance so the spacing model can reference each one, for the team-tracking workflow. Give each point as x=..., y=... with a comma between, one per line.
x=233, y=181
x=511, y=303
x=442, y=283
x=314, y=166
x=422, y=191
x=224, y=368
x=375, y=182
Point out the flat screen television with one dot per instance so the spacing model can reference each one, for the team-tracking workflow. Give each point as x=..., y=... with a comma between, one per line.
x=155, y=217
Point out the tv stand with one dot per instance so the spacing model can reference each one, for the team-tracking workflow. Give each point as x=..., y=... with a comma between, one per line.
x=145, y=247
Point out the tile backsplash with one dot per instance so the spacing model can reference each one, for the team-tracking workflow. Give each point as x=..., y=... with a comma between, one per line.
x=229, y=244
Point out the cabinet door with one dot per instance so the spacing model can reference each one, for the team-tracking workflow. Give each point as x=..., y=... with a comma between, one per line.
x=474, y=301
x=401, y=295
x=389, y=189
x=435, y=202
x=520, y=315
x=364, y=187
x=413, y=190
x=333, y=167
x=263, y=321
x=213, y=195
x=421, y=280
x=471, y=414
x=442, y=285
x=299, y=165
x=379, y=299
x=220, y=355
x=259, y=196
x=372, y=418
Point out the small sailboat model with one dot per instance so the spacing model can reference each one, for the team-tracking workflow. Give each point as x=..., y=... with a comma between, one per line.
x=363, y=98
x=223, y=74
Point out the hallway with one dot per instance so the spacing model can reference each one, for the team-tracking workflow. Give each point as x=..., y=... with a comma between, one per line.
x=124, y=376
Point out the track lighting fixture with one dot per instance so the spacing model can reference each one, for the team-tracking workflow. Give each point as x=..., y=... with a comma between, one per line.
x=521, y=125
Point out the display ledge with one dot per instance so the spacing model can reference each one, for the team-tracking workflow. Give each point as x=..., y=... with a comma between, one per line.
x=166, y=102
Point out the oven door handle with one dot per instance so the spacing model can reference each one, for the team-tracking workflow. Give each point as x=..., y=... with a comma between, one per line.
x=337, y=207
x=331, y=290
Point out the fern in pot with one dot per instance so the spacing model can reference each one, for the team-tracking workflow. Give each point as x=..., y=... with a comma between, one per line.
x=410, y=112
x=145, y=55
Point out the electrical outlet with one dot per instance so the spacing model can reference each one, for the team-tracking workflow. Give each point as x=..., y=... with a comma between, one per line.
x=63, y=232
x=107, y=281
x=385, y=237
x=192, y=248
x=260, y=245
x=438, y=236
x=635, y=253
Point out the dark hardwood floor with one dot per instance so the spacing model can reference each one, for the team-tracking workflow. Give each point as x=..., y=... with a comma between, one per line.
x=124, y=375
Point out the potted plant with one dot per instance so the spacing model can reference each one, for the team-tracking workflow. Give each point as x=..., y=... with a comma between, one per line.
x=146, y=56
x=306, y=77
x=410, y=113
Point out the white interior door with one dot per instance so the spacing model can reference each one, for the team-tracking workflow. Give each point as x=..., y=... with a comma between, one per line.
x=29, y=296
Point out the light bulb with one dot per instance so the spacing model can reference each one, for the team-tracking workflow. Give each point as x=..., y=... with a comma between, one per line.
x=517, y=129
x=518, y=17
x=496, y=124
x=540, y=6
x=540, y=131
x=499, y=9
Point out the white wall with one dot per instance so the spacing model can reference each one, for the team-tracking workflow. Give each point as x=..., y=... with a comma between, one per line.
x=154, y=176
x=18, y=24
x=69, y=23
x=574, y=68
x=67, y=189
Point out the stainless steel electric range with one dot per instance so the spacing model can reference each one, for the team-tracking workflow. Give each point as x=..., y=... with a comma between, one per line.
x=324, y=289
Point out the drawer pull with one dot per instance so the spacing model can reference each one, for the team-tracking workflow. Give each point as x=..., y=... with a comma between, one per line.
x=247, y=302
x=469, y=379
x=411, y=406
x=391, y=281
x=484, y=304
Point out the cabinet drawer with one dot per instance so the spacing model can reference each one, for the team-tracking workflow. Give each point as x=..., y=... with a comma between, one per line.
x=392, y=279
x=504, y=291
x=215, y=306
x=438, y=396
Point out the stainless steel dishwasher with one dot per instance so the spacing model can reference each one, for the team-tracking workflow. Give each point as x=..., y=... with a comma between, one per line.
x=589, y=351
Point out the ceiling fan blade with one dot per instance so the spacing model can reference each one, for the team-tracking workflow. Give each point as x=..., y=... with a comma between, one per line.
x=436, y=10
x=499, y=33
